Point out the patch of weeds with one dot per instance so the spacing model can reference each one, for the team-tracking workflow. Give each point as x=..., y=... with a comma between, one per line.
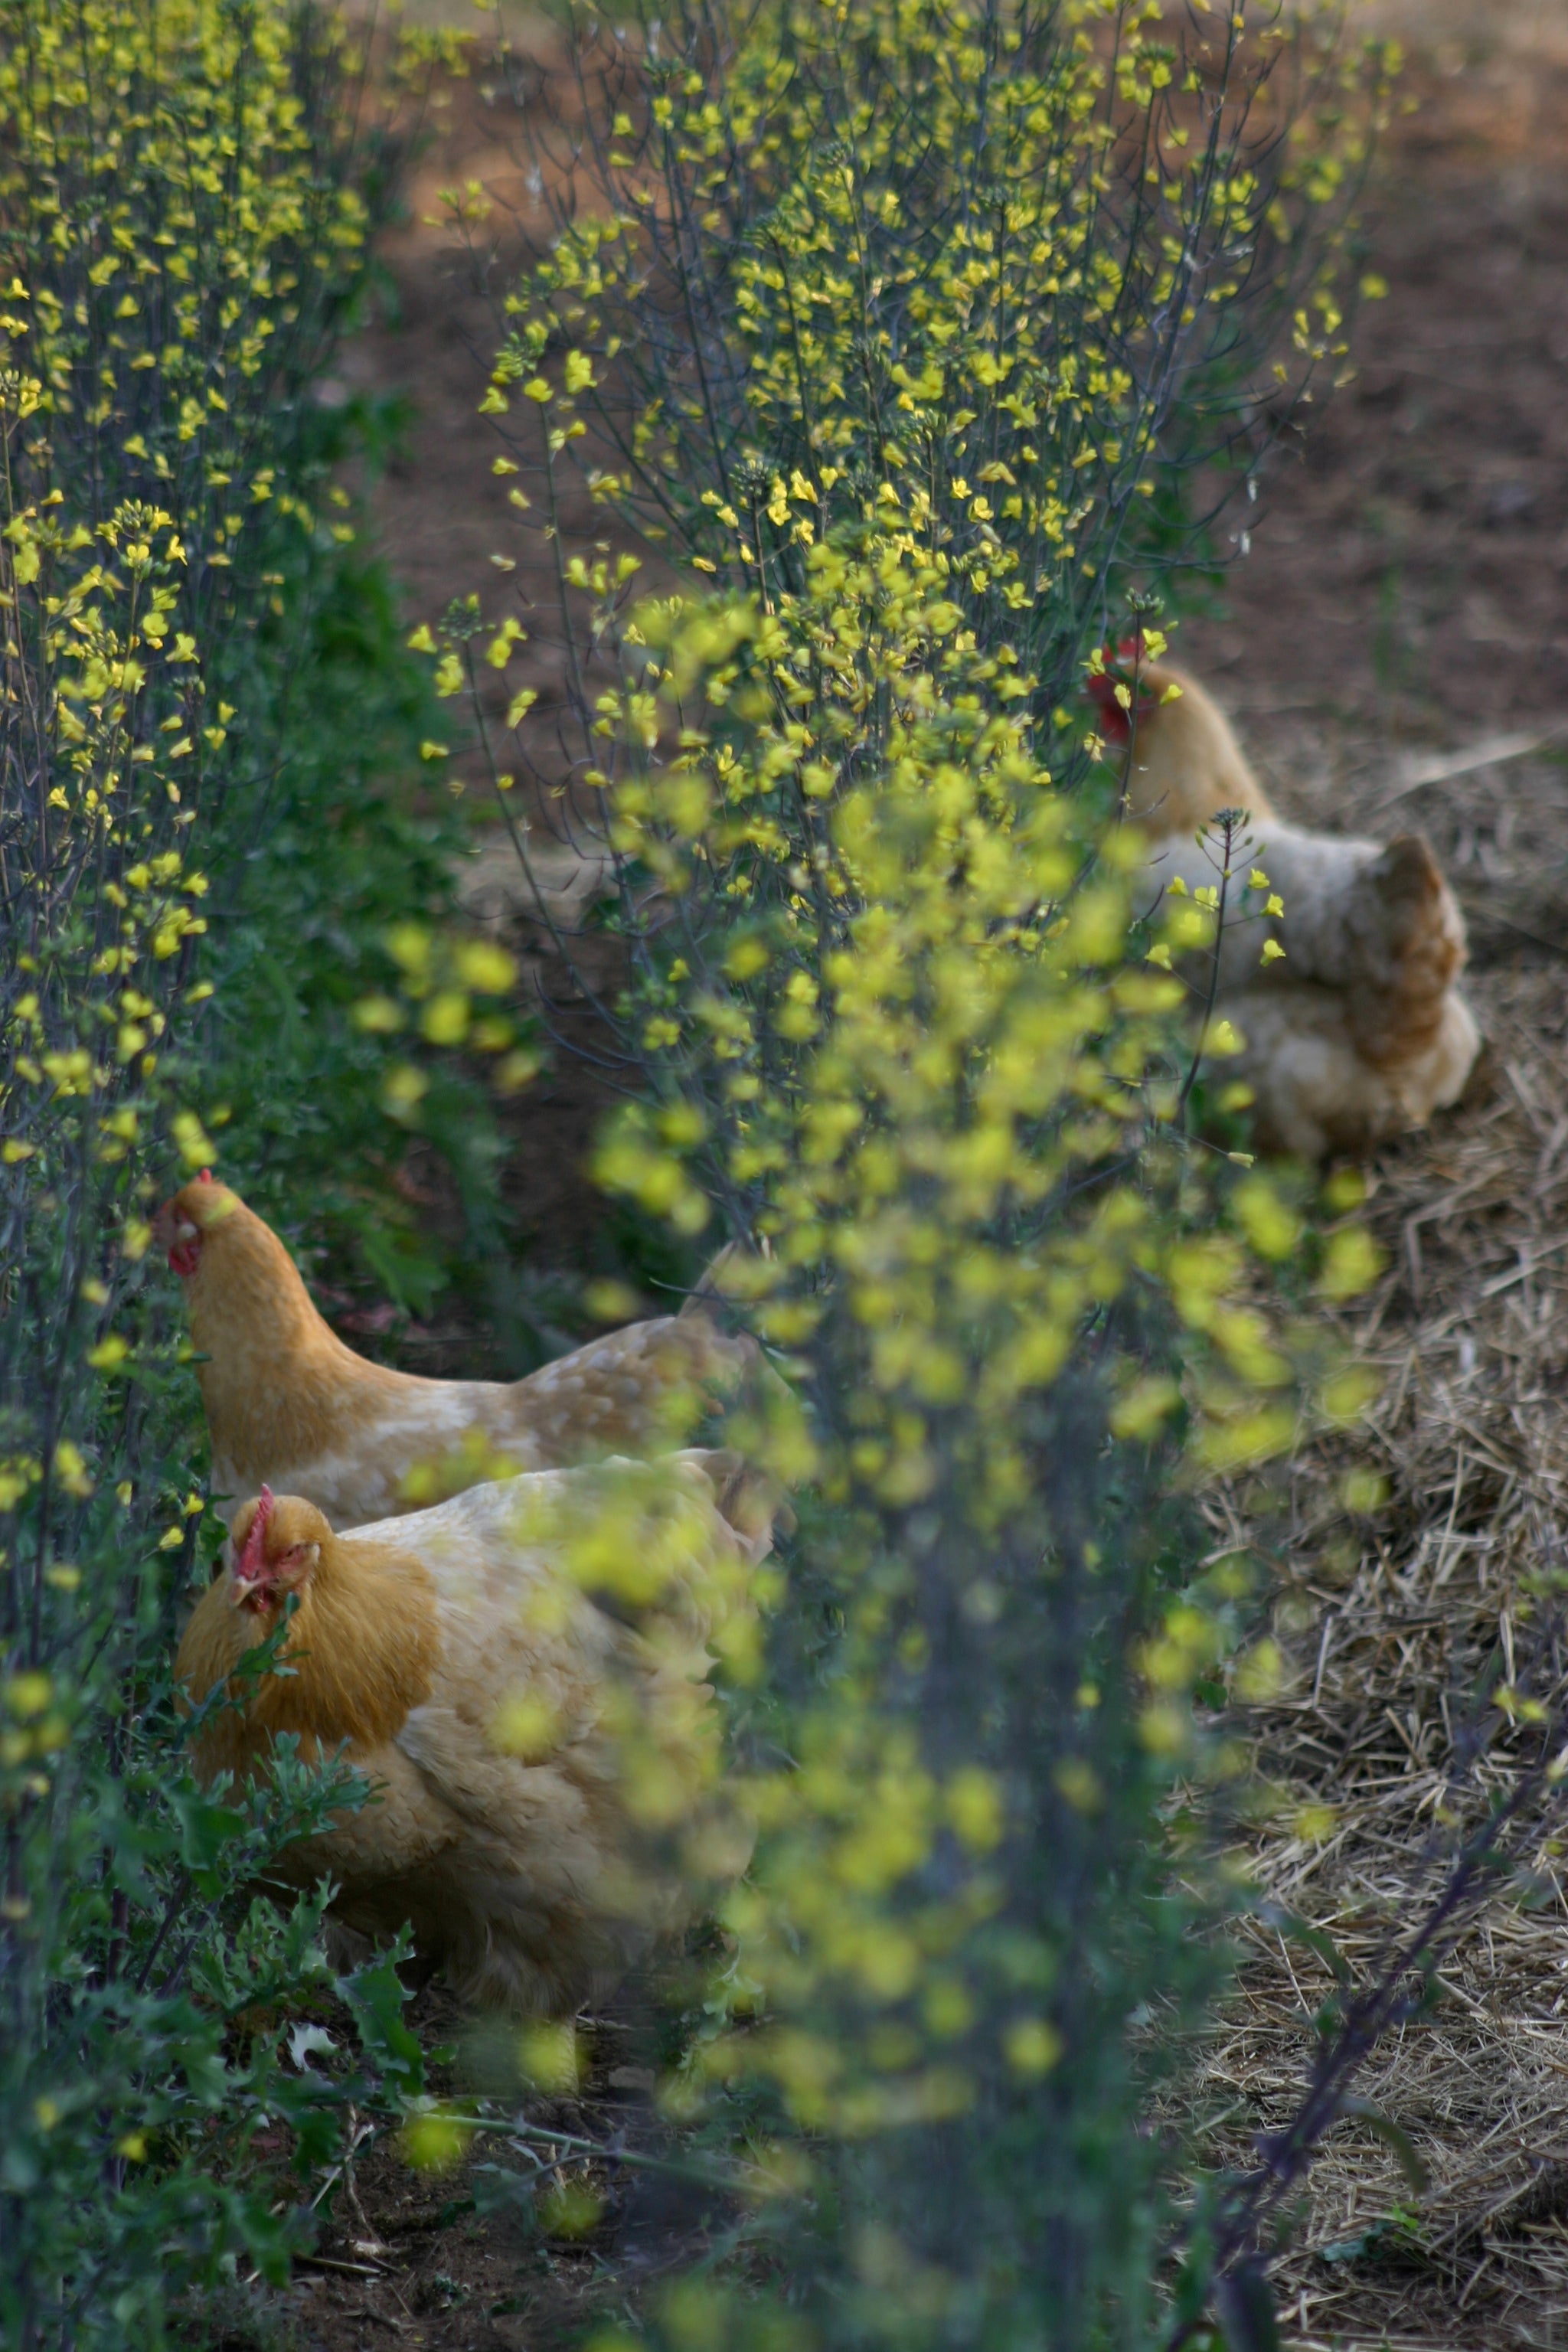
x=1399, y=2237
x=337, y=845
x=442, y=2293
x=236, y=2318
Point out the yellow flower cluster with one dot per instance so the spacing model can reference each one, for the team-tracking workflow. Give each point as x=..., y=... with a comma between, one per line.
x=112, y=907
x=173, y=241
x=900, y=319
x=177, y=226
x=979, y=279
x=904, y=1006
x=170, y=240
x=439, y=980
x=904, y=1037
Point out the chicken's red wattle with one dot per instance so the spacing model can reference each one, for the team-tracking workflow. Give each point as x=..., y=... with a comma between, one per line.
x=255, y=1582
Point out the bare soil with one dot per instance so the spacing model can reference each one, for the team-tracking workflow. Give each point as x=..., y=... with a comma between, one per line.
x=521, y=2240
x=1405, y=591
x=1394, y=644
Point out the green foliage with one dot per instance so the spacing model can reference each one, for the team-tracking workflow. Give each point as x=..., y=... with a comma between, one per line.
x=889, y=312
x=905, y=326
x=181, y=229
x=316, y=874
x=158, y=2132
x=1010, y=277
x=174, y=332
x=900, y=1034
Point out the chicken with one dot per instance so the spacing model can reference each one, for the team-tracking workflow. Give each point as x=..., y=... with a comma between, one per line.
x=1185, y=762
x=1314, y=1090
x=290, y=1406
x=519, y=1673
x=1355, y=1031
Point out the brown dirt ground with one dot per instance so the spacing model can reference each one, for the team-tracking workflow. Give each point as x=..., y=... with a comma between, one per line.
x=434, y=2259
x=1406, y=575
x=1403, y=604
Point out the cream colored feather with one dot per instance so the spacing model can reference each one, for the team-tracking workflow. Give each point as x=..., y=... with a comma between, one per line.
x=547, y=1798
x=290, y=1406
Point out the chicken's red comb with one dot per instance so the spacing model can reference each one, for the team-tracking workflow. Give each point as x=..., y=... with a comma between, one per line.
x=1131, y=654
x=253, y=1557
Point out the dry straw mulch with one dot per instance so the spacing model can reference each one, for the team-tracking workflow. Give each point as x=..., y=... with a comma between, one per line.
x=1392, y=1619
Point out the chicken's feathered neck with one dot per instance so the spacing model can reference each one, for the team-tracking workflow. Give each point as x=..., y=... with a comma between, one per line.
x=1186, y=764
x=361, y=1652
x=277, y=1383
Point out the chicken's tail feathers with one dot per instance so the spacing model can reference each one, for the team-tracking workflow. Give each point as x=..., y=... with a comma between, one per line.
x=749, y=1500
x=1409, y=880
x=1408, y=874
x=1410, y=950
x=733, y=1362
x=717, y=1284
x=1424, y=931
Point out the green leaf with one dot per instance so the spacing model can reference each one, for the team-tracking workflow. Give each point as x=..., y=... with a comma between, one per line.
x=377, y=1996
x=515, y=2195
x=206, y=1829
x=1301, y=1931
x=1393, y=2137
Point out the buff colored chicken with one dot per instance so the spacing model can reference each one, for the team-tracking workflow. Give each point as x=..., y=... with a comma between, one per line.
x=1353, y=1029
x=520, y=1674
x=290, y=1406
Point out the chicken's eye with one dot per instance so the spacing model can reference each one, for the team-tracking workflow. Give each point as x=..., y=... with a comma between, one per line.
x=293, y=1566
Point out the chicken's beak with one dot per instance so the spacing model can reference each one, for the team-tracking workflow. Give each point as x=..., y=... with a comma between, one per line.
x=179, y=1238
x=251, y=1570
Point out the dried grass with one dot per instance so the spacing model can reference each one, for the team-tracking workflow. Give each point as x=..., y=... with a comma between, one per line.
x=1391, y=1622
